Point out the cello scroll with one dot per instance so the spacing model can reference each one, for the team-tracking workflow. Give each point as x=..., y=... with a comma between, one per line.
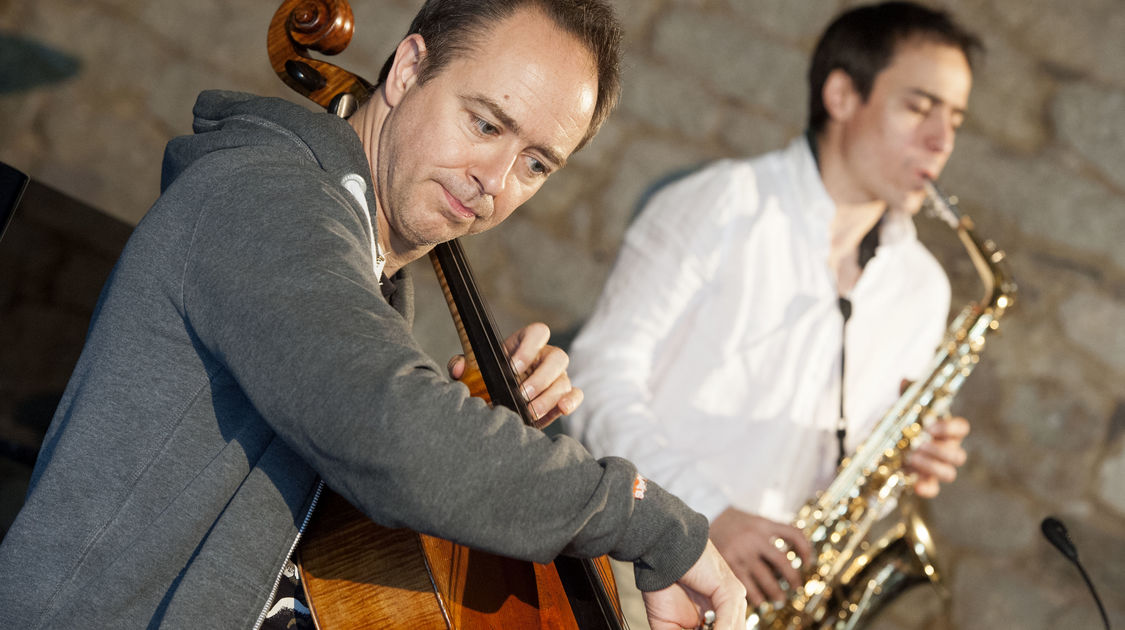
x=324, y=26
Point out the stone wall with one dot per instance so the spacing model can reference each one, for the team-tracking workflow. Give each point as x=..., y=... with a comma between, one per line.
x=1040, y=165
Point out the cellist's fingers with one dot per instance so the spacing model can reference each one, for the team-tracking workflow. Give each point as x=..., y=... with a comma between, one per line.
x=456, y=366
x=548, y=370
x=525, y=345
x=564, y=405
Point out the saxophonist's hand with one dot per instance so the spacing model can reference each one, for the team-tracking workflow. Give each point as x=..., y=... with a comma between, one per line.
x=936, y=461
x=746, y=543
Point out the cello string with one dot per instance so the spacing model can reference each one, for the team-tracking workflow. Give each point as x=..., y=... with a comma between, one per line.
x=485, y=334
x=492, y=358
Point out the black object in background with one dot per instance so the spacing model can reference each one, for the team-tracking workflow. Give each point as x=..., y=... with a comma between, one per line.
x=12, y=185
x=1055, y=531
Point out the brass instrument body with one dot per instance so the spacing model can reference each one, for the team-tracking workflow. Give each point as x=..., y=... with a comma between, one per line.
x=855, y=569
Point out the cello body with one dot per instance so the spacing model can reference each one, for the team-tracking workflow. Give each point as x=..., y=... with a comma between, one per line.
x=358, y=574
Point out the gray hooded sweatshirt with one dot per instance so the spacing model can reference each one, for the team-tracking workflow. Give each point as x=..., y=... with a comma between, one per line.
x=241, y=351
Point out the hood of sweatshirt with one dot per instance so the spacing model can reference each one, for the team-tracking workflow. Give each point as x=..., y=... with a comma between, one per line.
x=226, y=120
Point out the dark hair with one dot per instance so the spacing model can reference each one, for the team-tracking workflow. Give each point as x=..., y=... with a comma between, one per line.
x=453, y=27
x=862, y=42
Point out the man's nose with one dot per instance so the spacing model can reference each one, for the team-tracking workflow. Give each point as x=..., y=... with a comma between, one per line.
x=491, y=171
x=940, y=131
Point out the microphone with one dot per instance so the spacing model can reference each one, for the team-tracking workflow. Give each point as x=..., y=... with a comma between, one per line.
x=1055, y=532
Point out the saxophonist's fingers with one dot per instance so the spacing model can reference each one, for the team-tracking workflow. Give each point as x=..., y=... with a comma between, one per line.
x=765, y=579
x=951, y=428
x=940, y=458
x=933, y=466
x=796, y=540
x=927, y=487
x=754, y=594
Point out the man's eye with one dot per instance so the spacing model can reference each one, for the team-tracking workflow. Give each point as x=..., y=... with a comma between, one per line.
x=919, y=107
x=537, y=167
x=486, y=127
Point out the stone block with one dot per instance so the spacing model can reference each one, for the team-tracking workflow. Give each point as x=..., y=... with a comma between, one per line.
x=746, y=133
x=1096, y=322
x=1111, y=479
x=115, y=168
x=674, y=101
x=1045, y=198
x=1088, y=118
x=213, y=32
x=555, y=205
x=650, y=160
x=960, y=508
x=801, y=21
x=604, y=148
x=1080, y=37
x=1010, y=95
x=1052, y=417
x=636, y=17
x=990, y=594
x=734, y=61
x=561, y=292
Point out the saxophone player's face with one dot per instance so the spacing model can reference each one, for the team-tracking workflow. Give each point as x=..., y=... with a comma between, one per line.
x=903, y=133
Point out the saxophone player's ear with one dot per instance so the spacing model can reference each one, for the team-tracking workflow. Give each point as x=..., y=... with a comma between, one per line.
x=840, y=97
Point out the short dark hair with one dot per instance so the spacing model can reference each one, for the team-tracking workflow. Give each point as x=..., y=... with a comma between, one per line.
x=863, y=40
x=452, y=27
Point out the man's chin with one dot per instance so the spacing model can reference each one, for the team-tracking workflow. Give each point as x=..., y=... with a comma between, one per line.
x=911, y=203
x=420, y=242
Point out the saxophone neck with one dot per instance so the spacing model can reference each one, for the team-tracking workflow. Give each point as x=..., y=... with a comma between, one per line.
x=988, y=260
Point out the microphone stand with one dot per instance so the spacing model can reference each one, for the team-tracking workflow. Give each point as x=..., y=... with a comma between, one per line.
x=1055, y=531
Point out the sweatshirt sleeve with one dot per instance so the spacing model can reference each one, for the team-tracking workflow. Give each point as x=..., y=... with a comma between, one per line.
x=278, y=288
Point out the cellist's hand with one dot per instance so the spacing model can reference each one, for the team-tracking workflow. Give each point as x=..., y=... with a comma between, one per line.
x=708, y=585
x=541, y=369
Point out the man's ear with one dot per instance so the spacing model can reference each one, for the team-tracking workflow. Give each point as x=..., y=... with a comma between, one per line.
x=840, y=96
x=404, y=69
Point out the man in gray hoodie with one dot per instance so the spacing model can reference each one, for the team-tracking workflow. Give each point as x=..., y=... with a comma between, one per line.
x=254, y=339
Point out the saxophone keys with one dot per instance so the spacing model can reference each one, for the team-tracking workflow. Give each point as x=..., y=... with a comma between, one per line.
x=793, y=558
x=819, y=534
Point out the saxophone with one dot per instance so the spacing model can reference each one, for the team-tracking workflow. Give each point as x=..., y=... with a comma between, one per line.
x=868, y=540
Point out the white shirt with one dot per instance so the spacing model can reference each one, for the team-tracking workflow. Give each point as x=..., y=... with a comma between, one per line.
x=713, y=357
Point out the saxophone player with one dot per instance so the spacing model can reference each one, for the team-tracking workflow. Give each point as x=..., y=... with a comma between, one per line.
x=763, y=313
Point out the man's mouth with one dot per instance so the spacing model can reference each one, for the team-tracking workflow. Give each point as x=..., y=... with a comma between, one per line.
x=456, y=206
x=926, y=174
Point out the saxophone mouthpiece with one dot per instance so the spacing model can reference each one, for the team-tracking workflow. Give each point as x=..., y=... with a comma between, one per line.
x=940, y=206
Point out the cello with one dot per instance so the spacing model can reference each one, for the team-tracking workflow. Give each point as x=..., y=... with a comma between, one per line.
x=358, y=574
